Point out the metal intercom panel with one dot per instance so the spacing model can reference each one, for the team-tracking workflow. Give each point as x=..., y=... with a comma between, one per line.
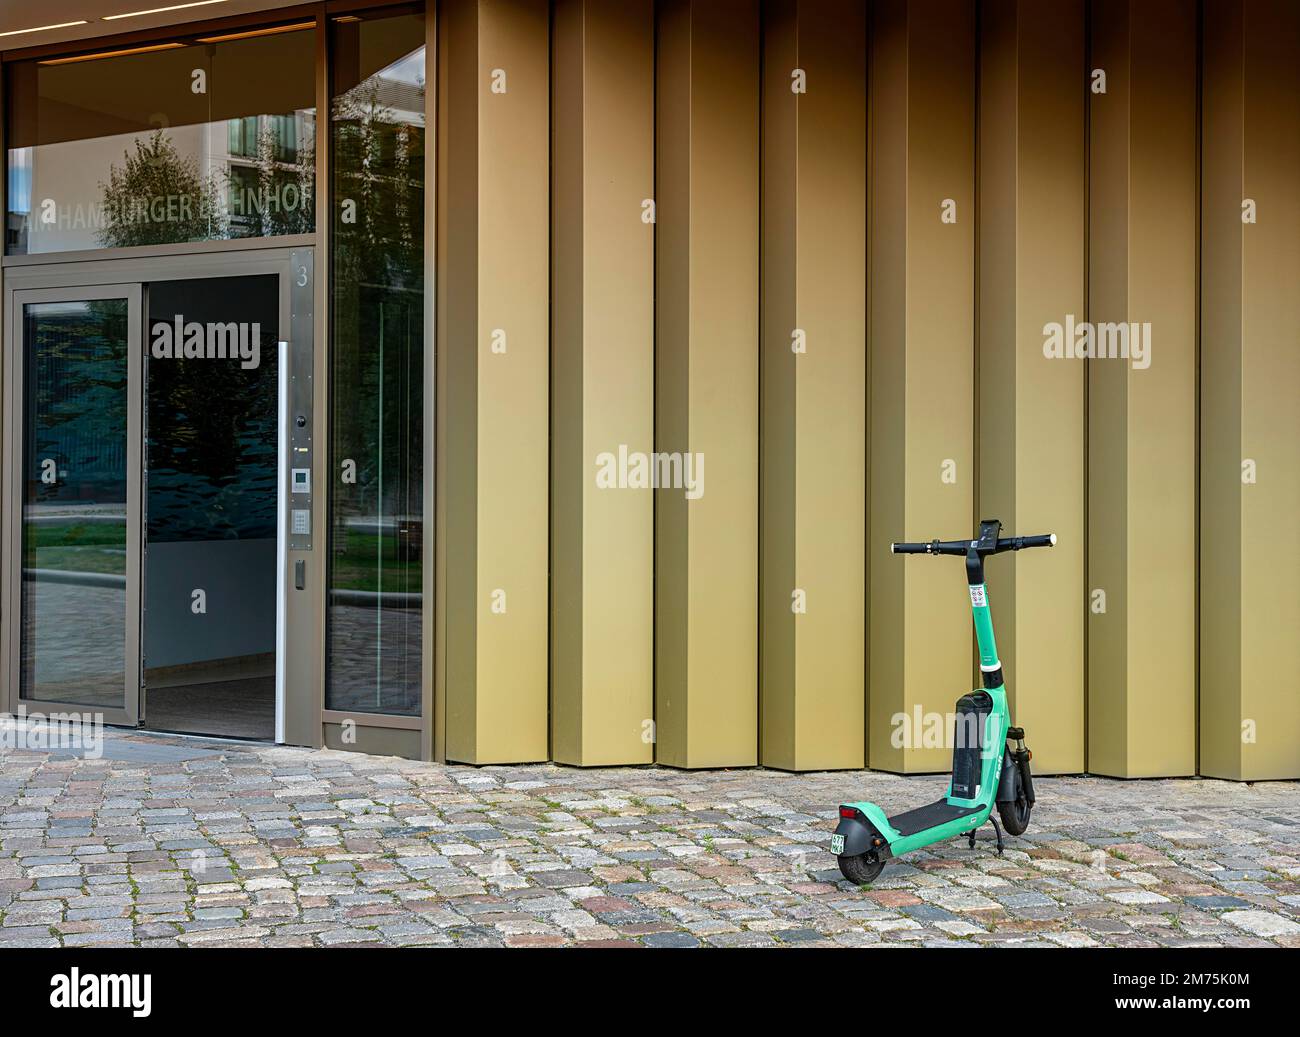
x=301, y=446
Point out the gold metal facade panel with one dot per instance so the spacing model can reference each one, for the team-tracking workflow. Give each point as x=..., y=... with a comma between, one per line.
x=922, y=349
x=814, y=385
x=1031, y=420
x=1250, y=371
x=1142, y=421
x=602, y=375
x=707, y=298
x=496, y=400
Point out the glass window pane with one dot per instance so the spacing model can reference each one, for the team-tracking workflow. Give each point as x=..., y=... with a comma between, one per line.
x=74, y=502
x=192, y=139
x=377, y=366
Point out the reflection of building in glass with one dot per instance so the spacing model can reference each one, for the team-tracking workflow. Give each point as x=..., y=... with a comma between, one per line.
x=18, y=191
x=246, y=177
x=211, y=182
x=94, y=163
x=268, y=174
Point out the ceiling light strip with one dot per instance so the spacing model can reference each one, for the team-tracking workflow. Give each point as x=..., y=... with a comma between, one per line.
x=162, y=10
x=42, y=28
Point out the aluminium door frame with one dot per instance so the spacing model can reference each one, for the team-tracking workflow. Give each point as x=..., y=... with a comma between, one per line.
x=72, y=277
x=16, y=297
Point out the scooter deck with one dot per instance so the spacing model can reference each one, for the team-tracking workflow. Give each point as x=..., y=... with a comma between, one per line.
x=929, y=816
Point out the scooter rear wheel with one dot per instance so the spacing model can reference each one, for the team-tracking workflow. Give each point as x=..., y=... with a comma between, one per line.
x=1015, y=815
x=861, y=868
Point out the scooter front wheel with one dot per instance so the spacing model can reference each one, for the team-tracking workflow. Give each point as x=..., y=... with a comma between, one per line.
x=861, y=868
x=1015, y=815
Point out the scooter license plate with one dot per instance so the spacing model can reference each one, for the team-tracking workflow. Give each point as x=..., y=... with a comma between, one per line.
x=837, y=844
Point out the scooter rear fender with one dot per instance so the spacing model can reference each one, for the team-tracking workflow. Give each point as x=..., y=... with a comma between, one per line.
x=861, y=832
x=859, y=838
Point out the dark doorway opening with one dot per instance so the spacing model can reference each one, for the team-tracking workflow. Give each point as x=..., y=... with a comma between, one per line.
x=210, y=505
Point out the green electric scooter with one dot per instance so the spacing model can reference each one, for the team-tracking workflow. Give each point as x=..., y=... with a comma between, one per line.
x=984, y=772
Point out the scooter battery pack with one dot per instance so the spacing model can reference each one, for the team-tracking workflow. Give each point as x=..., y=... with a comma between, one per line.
x=968, y=743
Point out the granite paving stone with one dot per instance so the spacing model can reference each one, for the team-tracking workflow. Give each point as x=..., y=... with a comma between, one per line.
x=170, y=841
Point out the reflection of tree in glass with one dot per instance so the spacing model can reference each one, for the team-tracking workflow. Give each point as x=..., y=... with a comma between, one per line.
x=378, y=265
x=377, y=191
x=78, y=401
x=212, y=449
x=379, y=167
x=157, y=196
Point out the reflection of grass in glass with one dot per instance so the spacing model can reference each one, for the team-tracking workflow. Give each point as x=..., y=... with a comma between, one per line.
x=91, y=547
x=100, y=547
x=353, y=567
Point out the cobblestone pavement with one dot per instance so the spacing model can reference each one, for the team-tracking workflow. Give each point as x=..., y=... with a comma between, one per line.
x=183, y=842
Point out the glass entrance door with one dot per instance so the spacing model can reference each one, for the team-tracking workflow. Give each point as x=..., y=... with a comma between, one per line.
x=76, y=356
x=148, y=482
x=156, y=493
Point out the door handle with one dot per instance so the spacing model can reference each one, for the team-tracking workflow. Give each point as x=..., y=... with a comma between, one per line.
x=300, y=574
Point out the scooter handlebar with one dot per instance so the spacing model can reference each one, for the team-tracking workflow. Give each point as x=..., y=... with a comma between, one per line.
x=960, y=547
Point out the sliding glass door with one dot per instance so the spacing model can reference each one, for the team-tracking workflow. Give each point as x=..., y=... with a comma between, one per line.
x=75, y=355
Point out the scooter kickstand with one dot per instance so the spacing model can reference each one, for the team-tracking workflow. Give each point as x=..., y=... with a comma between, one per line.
x=997, y=828
x=970, y=839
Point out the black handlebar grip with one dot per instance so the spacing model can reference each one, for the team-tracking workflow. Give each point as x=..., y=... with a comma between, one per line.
x=1017, y=543
x=932, y=547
